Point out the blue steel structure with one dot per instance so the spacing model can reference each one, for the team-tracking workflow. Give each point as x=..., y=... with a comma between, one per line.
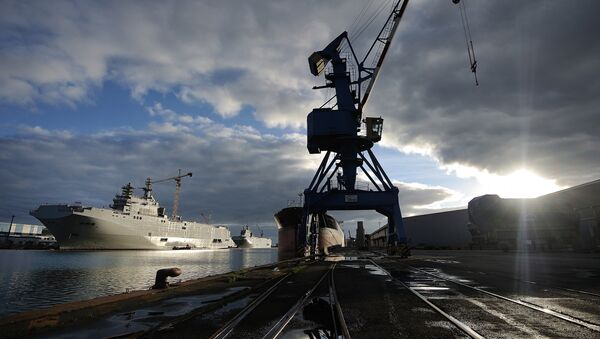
x=337, y=132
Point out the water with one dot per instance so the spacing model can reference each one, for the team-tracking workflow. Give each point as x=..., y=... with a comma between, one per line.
x=39, y=279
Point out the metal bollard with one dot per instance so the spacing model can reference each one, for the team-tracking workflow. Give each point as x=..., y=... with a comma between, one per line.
x=161, y=277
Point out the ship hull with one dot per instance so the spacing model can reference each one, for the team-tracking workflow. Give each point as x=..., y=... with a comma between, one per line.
x=251, y=242
x=289, y=219
x=104, y=229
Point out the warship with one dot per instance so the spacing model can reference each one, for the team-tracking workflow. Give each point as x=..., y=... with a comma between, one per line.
x=131, y=222
x=246, y=239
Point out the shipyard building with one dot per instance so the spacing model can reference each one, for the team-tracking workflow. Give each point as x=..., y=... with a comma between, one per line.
x=13, y=235
x=564, y=220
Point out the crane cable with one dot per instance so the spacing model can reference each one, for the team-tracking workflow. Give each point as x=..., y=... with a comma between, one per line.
x=464, y=20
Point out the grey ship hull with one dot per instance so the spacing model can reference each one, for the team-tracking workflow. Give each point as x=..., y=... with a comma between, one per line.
x=251, y=242
x=77, y=228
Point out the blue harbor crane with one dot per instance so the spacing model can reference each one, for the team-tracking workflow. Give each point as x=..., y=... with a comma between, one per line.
x=346, y=138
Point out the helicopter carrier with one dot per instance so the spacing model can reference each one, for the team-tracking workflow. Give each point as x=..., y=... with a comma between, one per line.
x=131, y=222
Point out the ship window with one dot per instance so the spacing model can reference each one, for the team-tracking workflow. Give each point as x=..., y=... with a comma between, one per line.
x=164, y=239
x=183, y=228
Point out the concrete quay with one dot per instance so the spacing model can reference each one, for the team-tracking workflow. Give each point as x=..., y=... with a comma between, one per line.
x=432, y=294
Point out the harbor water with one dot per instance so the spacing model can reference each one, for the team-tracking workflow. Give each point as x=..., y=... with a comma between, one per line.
x=32, y=279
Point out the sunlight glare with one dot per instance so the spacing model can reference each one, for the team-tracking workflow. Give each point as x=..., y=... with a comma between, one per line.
x=519, y=184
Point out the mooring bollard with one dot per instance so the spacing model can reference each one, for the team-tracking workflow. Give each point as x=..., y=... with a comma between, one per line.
x=161, y=277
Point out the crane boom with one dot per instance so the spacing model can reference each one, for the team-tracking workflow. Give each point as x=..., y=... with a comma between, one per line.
x=393, y=20
x=148, y=188
x=177, y=190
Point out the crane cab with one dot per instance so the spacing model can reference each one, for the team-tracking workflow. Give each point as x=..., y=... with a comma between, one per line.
x=374, y=128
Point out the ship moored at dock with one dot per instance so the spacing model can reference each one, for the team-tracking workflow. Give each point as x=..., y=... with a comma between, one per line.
x=247, y=239
x=132, y=222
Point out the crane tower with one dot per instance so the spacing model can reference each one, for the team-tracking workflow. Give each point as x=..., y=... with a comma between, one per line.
x=347, y=138
x=148, y=188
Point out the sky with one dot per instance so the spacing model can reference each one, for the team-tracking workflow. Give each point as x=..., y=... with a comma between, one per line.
x=94, y=95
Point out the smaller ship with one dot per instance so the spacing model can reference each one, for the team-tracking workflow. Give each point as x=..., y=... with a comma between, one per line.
x=247, y=240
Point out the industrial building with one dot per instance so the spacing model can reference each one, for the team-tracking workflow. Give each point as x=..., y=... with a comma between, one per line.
x=13, y=235
x=564, y=220
x=437, y=230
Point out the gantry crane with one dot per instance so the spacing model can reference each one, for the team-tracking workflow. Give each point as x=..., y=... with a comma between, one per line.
x=148, y=188
x=336, y=131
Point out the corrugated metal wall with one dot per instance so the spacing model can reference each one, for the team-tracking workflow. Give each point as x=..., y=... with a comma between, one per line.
x=21, y=228
x=437, y=230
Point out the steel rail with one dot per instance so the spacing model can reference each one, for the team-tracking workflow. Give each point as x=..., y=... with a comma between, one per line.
x=229, y=326
x=332, y=302
x=460, y=325
x=565, y=317
x=276, y=329
x=578, y=291
x=338, y=308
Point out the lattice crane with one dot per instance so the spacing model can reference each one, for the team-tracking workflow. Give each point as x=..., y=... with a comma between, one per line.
x=148, y=188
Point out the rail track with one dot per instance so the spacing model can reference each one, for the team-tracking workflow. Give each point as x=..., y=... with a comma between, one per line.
x=323, y=288
x=460, y=325
x=434, y=304
x=544, y=310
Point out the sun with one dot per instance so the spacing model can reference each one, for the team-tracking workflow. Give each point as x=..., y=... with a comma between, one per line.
x=519, y=184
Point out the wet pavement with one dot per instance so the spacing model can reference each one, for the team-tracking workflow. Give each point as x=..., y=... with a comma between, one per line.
x=432, y=294
x=510, y=295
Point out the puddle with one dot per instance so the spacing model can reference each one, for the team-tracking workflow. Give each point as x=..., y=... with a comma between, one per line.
x=375, y=270
x=443, y=261
x=305, y=333
x=429, y=288
x=350, y=265
x=337, y=258
x=145, y=318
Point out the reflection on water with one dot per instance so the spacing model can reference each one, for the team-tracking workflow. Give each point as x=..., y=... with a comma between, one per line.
x=39, y=279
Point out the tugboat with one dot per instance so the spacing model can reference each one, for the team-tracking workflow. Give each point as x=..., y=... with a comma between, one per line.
x=247, y=240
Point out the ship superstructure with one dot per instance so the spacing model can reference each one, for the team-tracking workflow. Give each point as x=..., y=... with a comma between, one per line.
x=131, y=222
x=247, y=239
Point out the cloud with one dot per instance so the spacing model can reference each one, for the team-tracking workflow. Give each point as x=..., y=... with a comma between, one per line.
x=535, y=108
x=229, y=54
x=240, y=175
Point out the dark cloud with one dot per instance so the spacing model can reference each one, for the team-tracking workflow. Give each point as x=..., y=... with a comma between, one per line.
x=239, y=175
x=537, y=105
